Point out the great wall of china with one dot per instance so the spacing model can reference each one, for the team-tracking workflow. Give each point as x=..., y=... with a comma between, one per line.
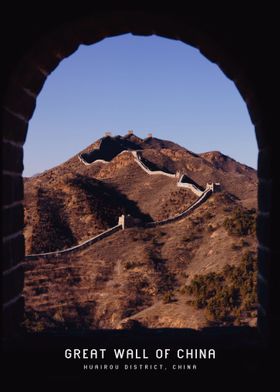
x=126, y=222
x=83, y=245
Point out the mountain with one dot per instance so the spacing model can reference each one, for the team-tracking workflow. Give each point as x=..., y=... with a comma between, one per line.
x=173, y=275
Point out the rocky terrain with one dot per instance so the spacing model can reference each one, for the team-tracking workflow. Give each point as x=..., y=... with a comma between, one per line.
x=167, y=276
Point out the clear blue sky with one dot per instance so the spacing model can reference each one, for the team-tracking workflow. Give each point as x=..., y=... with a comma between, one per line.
x=148, y=84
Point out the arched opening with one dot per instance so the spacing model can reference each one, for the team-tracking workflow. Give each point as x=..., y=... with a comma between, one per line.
x=19, y=104
x=183, y=99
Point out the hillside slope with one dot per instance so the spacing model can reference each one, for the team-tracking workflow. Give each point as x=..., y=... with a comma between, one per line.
x=137, y=276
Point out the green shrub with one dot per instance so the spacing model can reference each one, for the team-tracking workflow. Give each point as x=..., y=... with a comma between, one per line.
x=183, y=289
x=227, y=294
x=209, y=215
x=210, y=228
x=168, y=297
x=244, y=243
x=235, y=247
x=241, y=222
x=130, y=265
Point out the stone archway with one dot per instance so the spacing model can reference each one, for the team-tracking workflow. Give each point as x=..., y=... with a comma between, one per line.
x=217, y=43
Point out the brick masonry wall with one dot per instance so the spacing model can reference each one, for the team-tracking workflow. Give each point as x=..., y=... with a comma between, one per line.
x=203, y=196
x=31, y=55
x=73, y=249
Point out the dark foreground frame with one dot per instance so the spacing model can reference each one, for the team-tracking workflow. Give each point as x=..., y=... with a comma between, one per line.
x=34, y=45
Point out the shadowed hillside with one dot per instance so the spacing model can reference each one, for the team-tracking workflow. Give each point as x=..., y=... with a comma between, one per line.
x=52, y=231
x=149, y=277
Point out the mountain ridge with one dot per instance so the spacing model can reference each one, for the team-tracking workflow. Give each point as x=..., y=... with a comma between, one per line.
x=94, y=196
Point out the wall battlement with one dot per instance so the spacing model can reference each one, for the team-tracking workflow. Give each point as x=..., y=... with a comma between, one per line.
x=216, y=187
x=126, y=221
